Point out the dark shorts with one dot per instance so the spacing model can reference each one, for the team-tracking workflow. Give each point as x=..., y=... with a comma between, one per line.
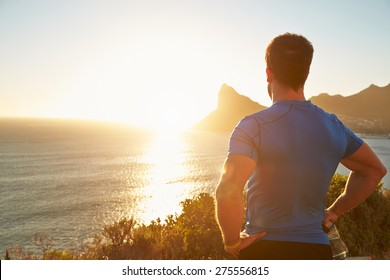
x=283, y=250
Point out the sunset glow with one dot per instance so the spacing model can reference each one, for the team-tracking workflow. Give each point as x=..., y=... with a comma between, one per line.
x=160, y=64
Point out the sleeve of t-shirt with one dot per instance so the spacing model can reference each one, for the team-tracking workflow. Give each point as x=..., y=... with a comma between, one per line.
x=353, y=141
x=245, y=138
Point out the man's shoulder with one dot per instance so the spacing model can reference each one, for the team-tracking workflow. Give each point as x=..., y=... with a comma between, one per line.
x=324, y=113
x=268, y=115
x=278, y=111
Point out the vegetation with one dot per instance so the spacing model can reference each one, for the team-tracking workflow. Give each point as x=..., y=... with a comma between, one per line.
x=366, y=228
x=194, y=234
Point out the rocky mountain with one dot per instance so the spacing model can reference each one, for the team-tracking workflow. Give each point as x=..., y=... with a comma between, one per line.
x=232, y=107
x=367, y=111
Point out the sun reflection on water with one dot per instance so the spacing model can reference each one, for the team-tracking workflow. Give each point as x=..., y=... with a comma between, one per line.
x=166, y=185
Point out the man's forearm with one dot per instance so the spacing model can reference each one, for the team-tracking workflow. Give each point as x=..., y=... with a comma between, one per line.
x=230, y=214
x=367, y=172
x=358, y=188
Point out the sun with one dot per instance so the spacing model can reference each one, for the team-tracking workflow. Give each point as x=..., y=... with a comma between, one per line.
x=167, y=114
x=168, y=121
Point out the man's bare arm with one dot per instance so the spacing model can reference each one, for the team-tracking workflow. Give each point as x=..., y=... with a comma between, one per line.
x=230, y=204
x=366, y=173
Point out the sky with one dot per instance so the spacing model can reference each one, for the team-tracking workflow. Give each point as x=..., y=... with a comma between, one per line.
x=161, y=63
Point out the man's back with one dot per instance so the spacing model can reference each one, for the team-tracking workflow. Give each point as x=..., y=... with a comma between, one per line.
x=297, y=148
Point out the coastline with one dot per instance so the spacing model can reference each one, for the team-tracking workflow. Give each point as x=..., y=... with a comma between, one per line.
x=373, y=136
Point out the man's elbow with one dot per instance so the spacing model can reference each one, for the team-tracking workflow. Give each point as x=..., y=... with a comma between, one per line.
x=382, y=171
x=378, y=173
x=221, y=191
x=225, y=191
x=218, y=192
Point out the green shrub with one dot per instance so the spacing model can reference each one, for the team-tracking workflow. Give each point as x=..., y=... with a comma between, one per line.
x=366, y=228
x=59, y=255
x=194, y=234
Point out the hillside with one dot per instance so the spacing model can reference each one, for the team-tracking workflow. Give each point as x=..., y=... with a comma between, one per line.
x=364, y=112
x=232, y=107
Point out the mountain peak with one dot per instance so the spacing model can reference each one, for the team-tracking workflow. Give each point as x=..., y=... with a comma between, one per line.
x=232, y=107
x=230, y=99
x=225, y=93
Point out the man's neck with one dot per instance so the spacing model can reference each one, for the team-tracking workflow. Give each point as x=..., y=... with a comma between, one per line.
x=280, y=92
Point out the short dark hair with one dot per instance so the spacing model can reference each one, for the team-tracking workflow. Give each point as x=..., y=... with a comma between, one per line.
x=289, y=57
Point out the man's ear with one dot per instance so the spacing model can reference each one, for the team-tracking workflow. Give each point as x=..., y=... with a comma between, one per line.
x=270, y=75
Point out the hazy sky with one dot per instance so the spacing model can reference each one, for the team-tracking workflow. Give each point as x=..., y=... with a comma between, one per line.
x=161, y=63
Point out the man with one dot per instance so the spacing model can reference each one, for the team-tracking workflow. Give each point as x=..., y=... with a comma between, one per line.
x=287, y=155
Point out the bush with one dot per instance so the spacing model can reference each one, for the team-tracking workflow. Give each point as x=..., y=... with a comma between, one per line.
x=366, y=228
x=194, y=234
x=59, y=255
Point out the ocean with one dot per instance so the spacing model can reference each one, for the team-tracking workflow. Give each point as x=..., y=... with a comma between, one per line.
x=68, y=179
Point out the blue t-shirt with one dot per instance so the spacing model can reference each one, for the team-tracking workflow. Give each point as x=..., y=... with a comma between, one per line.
x=297, y=148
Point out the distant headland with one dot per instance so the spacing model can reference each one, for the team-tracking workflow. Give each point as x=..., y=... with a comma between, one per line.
x=366, y=112
x=232, y=107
